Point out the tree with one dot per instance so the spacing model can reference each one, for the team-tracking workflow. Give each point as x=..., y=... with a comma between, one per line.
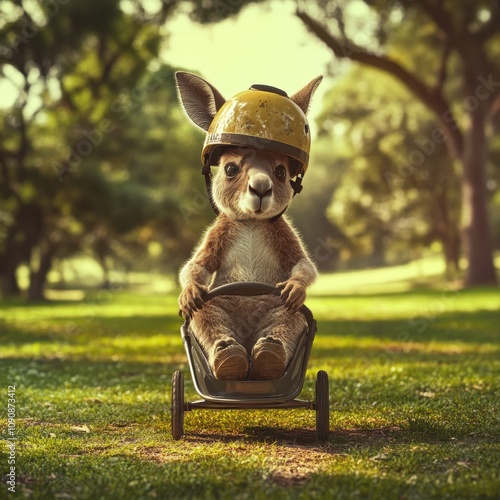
x=70, y=59
x=465, y=34
x=383, y=202
x=309, y=209
x=151, y=159
x=82, y=69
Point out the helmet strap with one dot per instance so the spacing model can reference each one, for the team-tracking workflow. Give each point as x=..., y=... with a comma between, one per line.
x=207, y=173
x=297, y=184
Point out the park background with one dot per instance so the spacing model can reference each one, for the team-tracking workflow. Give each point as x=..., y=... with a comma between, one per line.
x=101, y=201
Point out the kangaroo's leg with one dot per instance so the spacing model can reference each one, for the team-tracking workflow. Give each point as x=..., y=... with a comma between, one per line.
x=215, y=330
x=277, y=337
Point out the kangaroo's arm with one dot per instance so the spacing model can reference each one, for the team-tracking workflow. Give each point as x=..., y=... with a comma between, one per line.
x=196, y=274
x=296, y=263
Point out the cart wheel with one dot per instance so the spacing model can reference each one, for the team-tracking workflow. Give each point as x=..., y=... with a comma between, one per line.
x=177, y=405
x=322, y=406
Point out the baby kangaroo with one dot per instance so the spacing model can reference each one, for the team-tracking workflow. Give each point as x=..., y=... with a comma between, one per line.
x=260, y=140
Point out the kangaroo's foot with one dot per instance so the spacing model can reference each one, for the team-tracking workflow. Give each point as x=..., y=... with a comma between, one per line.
x=230, y=361
x=268, y=357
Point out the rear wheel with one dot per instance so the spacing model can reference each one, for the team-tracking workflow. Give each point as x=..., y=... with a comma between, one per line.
x=177, y=405
x=322, y=406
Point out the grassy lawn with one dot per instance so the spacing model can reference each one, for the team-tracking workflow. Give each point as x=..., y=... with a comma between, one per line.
x=414, y=389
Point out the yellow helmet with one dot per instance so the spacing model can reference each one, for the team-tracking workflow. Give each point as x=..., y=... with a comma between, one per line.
x=262, y=117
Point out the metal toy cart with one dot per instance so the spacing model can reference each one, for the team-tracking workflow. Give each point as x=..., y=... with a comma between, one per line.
x=250, y=394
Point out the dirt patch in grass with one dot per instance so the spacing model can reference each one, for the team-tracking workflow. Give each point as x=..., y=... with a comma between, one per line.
x=292, y=465
x=287, y=465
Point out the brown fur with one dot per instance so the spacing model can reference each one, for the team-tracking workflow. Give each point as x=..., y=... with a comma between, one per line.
x=303, y=97
x=200, y=99
x=244, y=245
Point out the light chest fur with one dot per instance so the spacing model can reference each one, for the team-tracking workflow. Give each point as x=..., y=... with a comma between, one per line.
x=250, y=257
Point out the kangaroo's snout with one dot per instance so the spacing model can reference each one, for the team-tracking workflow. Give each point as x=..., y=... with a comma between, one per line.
x=256, y=189
x=260, y=185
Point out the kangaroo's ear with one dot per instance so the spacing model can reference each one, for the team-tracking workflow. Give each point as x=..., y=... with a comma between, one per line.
x=303, y=97
x=200, y=100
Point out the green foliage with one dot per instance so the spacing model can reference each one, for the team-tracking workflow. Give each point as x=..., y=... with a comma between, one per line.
x=213, y=11
x=399, y=185
x=309, y=209
x=96, y=155
x=413, y=391
x=441, y=54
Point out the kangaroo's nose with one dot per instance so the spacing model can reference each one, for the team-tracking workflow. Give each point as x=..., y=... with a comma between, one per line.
x=260, y=185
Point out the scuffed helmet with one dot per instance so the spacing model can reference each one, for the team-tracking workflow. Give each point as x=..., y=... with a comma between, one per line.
x=262, y=117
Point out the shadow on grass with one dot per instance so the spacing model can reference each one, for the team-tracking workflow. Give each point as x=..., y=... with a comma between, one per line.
x=339, y=441
x=475, y=327
x=54, y=379
x=416, y=290
x=75, y=330
x=471, y=327
x=224, y=476
x=53, y=373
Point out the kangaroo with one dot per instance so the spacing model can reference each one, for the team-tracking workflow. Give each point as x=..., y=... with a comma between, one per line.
x=250, y=240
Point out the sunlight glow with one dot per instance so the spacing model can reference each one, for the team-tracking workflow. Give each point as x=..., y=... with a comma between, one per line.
x=262, y=45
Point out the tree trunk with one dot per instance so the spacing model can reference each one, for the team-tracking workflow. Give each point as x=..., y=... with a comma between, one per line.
x=377, y=258
x=477, y=237
x=22, y=237
x=106, y=284
x=38, y=278
x=471, y=149
x=10, y=287
x=453, y=253
x=450, y=241
x=10, y=260
x=448, y=231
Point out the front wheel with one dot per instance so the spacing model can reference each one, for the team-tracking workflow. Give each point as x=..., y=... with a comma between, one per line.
x=322, y=406
x=177, y=405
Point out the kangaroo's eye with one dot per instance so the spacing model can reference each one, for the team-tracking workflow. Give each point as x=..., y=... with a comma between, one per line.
x=280, y=172
x=232, y=169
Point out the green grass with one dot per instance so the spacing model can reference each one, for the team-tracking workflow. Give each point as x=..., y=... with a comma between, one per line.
x=414, y=389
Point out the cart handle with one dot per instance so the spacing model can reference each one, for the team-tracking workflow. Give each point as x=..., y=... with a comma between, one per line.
x=251, y=288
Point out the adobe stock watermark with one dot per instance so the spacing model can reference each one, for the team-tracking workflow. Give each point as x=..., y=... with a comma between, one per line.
x=120, y=108
x=426, y=146
x=11, y=439
x=196, y=204
x=29, y=28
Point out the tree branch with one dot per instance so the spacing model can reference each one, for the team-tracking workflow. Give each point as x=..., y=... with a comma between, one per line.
x=24, y=143
x=442, y=74
x=110, y=64
x=4, y=169
x=106, y=70
x=7, y=186
x=432, y=98
x=440, y=16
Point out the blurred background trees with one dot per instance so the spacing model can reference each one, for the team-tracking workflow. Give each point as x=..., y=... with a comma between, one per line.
x=94, y=149
x=446, y=54
x=97, y=159
x=389, y=209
